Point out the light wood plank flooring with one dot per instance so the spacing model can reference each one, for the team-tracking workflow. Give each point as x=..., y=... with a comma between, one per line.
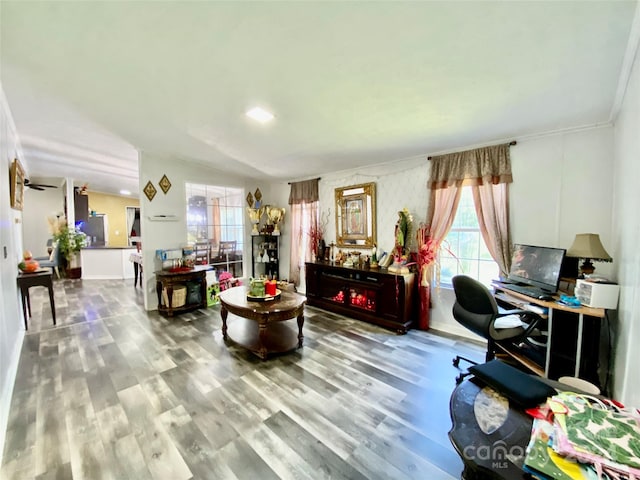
x=114, y=392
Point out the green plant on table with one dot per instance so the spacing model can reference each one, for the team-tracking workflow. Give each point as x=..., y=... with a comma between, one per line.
x=70, y=240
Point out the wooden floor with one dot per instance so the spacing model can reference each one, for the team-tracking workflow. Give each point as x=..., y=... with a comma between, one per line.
x=114, y=392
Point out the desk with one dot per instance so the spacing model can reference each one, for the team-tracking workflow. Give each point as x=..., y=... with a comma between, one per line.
x=578, y=332
x=260, y=329
x=43, y=278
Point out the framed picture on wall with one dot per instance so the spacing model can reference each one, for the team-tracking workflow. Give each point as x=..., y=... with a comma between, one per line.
x=16, y=186
x=356, y=215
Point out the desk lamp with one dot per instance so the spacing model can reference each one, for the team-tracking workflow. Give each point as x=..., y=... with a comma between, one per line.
x=589, y=247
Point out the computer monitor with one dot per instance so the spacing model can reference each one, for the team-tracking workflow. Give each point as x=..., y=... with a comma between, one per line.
x=537, y=266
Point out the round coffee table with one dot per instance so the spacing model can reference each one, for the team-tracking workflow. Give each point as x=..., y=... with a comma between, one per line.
x=261, y=328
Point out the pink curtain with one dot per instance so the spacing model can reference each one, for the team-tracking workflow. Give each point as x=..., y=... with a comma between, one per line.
x=304, y=220
x=443, y=204
x=492, y=208
x=215, y=220
x=296, y=244
x=488, y=171
x=303, y=199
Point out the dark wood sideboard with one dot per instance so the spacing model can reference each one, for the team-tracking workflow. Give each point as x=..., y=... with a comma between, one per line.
x=372, y=295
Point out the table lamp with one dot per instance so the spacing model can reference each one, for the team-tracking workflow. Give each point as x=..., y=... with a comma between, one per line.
x=589, y=247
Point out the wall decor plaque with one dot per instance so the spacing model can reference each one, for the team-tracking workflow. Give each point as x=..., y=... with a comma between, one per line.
x=165, y=184
x=149, y=190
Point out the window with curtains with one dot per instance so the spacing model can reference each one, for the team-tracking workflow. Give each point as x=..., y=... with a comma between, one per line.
x=303, y=200
x=215, y=216
x=464, y=250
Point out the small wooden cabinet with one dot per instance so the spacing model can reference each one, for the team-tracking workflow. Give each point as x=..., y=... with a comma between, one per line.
x=372, y=295
x=265, y=256
x=167, y=280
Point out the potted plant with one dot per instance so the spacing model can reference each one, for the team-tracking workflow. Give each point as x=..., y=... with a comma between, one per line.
x=70, y=241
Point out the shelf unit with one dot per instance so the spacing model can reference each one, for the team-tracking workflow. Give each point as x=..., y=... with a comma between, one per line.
x=372, y=295
x=269, y=245
x=169, y=280
x=573, y=345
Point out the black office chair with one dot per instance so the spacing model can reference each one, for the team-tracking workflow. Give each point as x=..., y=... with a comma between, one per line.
x=476, y=309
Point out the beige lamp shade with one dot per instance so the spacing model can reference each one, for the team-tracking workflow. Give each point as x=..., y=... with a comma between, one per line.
x=588, y=245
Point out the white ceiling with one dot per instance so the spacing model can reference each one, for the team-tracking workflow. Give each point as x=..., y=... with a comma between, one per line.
x=351, y=83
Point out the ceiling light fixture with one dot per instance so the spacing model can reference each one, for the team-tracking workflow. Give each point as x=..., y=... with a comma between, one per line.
x=125, y=192
x=260, y=115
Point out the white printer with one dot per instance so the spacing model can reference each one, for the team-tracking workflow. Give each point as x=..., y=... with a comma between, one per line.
x=597, y=293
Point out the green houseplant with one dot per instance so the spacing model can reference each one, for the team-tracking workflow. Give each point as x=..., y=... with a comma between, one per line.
x=70, y=241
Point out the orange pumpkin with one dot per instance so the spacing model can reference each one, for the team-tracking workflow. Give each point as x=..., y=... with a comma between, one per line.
x=29, y=266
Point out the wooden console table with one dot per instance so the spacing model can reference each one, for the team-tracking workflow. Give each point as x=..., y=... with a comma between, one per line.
x=260, y=327
x=168, y=280
x=372, y=295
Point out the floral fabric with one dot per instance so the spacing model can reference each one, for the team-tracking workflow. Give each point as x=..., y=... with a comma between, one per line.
x=608, y=438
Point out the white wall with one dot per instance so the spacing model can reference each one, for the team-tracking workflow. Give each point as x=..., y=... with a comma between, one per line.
x=626, y=219
x=11, y=323
x=38, y=206
x=562, y=186
x=164, y=235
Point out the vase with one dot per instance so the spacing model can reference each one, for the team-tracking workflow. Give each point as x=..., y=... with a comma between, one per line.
x=424, y=315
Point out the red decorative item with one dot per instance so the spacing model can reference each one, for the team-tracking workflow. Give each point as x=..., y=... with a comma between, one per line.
x=427, y=252
x=425, y=307
x=270, y=287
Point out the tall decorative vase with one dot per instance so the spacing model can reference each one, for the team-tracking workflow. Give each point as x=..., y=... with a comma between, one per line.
x=424, y=292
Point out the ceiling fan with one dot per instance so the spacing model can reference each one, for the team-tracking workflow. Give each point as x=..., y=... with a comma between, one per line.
x=37, y=186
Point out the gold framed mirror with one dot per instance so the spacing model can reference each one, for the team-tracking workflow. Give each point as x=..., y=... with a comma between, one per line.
x=356, y=215
x=16, y=186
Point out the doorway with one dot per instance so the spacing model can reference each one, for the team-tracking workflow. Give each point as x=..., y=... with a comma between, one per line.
x=134, y=233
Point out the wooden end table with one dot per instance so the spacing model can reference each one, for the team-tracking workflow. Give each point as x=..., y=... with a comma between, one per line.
x=41, y=278
x=260, y=327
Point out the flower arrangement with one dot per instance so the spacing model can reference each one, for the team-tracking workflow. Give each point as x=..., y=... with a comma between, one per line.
x=70, y=240
x=427, y=253
x=316, y=233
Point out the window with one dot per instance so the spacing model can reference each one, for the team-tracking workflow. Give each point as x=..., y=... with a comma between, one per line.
x=215, y=215
x=463, y=250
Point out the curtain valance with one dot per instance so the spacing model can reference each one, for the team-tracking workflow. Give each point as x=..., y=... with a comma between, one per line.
x=480, y=166
x=304, y=192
